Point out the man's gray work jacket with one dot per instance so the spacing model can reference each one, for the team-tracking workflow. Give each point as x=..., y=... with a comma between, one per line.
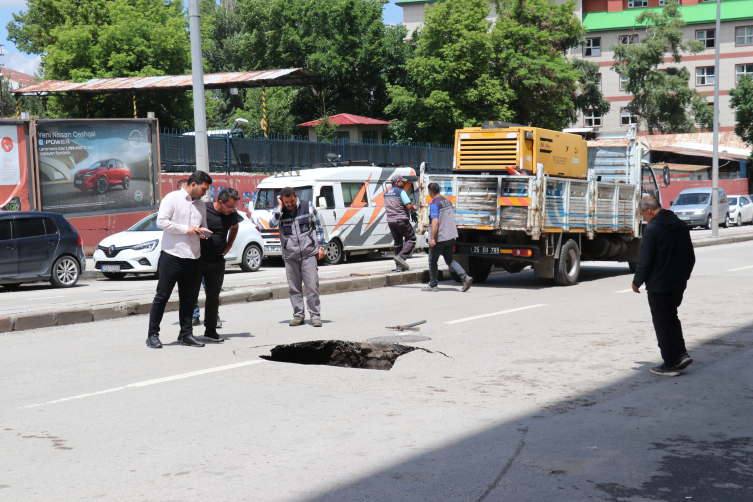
x=394, y=205
x=446, y=230
x=301, y=232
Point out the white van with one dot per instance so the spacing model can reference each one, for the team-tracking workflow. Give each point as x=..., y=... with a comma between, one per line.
x=350, y=202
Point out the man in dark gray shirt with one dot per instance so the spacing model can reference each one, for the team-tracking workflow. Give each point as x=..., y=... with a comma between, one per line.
x=222, y=221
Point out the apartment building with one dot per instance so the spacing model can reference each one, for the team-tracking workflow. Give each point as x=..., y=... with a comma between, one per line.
x=612, y=22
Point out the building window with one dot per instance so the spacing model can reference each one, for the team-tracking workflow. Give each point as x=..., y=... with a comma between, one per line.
x=592, y=48
x=742, y=70
x=599, y=77
x=628, y=39
x=634, y=4
x=591, y=119
x=744, y=35
x=704, y=75
x=343, y=136
x=369, y=135
x=661, y=2
x=626, y=118
x=623, y=82
x=707, y=37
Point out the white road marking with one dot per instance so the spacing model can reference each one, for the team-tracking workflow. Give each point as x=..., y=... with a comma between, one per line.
x=741, y=268
x=150, y=382
x=628, y=290
x=494, y=313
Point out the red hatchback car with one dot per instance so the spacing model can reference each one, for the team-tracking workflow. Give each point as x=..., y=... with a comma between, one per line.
x=102, y=175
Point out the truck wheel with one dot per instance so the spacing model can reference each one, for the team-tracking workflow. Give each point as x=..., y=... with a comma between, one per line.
x=633, y=266
x=567, y=268
x=479, y=269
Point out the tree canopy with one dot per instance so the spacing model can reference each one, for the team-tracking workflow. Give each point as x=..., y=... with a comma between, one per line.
x=466, y=69
x=741, y=101
x=662, y=99
x=343, y=42
x=105, y=39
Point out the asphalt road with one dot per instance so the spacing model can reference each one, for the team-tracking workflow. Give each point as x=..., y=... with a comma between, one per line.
x=42, y=297
x=65, y=198
x=528, y=394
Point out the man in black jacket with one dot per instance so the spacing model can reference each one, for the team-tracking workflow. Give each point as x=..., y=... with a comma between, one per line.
x=665, y=262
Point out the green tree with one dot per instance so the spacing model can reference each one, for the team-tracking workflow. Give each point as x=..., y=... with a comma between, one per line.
x=453, y=78
x=343, y=42
x=662, y=99
x=741, y=101
x=105, y=39
x=325, y=130
x=588, y=96
x=530, y=40
x=466, y=70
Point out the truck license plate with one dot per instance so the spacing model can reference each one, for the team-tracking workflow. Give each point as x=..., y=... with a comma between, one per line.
x=272, y=248
x=484, y=250
x=110, y=268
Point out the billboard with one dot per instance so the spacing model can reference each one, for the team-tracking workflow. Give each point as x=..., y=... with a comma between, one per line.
x=89, y=166
x=14, y=167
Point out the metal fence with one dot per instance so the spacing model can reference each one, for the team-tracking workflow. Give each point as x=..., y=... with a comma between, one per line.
x=285, y=153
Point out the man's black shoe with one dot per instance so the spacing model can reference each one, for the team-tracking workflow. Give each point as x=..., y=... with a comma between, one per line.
x=665, y=370
x=213, y=337
x=190, y=341
x=152, y=341
x=683, y=361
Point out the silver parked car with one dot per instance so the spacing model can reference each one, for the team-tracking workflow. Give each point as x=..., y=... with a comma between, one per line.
x=693, y=206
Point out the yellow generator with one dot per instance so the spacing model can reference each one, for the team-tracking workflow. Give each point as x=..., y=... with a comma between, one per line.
x=498, y=147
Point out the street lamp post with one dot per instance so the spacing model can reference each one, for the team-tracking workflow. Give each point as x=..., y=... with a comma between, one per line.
x=715, y=159
x=197, y=70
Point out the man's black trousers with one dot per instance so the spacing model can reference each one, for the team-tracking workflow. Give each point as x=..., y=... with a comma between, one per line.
x=405, y=237
x=667, y=324
x=182, y=271
x=213, y=273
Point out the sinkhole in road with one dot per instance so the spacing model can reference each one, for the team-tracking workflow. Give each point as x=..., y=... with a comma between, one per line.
x=373, y=356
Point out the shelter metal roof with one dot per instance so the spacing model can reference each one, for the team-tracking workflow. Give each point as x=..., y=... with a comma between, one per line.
x=133, y=85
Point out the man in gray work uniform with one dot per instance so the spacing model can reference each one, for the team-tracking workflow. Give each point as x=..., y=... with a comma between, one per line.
x=302, y=239
x=396, y=205
x=442, y=235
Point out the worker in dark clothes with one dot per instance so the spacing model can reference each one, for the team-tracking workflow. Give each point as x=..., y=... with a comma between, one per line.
x=222, y=220
x=665, y=262
x=397, y=205
x=442, y=235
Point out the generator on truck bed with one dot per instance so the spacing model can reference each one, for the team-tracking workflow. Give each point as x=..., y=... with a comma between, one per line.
x=526, y=196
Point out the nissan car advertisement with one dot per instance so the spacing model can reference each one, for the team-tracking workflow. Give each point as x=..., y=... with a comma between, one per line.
x=94, y=165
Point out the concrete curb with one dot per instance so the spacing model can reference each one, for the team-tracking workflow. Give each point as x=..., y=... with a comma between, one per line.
x=63, y=317
x=722, y=240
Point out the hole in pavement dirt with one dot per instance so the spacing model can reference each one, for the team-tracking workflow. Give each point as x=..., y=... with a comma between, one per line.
x=373, y=356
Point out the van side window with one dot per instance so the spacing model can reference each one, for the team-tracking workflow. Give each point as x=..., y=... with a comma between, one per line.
x=50, y=227
x=5, y=232
x=328, y=192
x=350, y=192
x=30, y=227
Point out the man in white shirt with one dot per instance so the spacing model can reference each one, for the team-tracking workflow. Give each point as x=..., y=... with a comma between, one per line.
x=182, y=216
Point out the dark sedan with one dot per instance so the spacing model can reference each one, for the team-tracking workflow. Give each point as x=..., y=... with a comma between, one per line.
x=37, y=246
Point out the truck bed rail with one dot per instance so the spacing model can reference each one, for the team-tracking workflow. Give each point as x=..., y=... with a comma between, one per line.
x=536, y=204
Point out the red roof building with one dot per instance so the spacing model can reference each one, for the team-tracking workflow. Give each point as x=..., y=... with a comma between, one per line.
x=350, y=127
x=17, y=78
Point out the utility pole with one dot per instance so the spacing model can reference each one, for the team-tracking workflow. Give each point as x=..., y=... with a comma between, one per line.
x=197, y=69
x=715, y=159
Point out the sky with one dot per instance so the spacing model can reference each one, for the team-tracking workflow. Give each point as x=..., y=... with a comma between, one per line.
x=28, y=63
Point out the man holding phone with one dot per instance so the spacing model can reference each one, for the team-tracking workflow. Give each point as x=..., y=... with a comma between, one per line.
x=222, y=221
x=183, y=217
x=302, y=239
